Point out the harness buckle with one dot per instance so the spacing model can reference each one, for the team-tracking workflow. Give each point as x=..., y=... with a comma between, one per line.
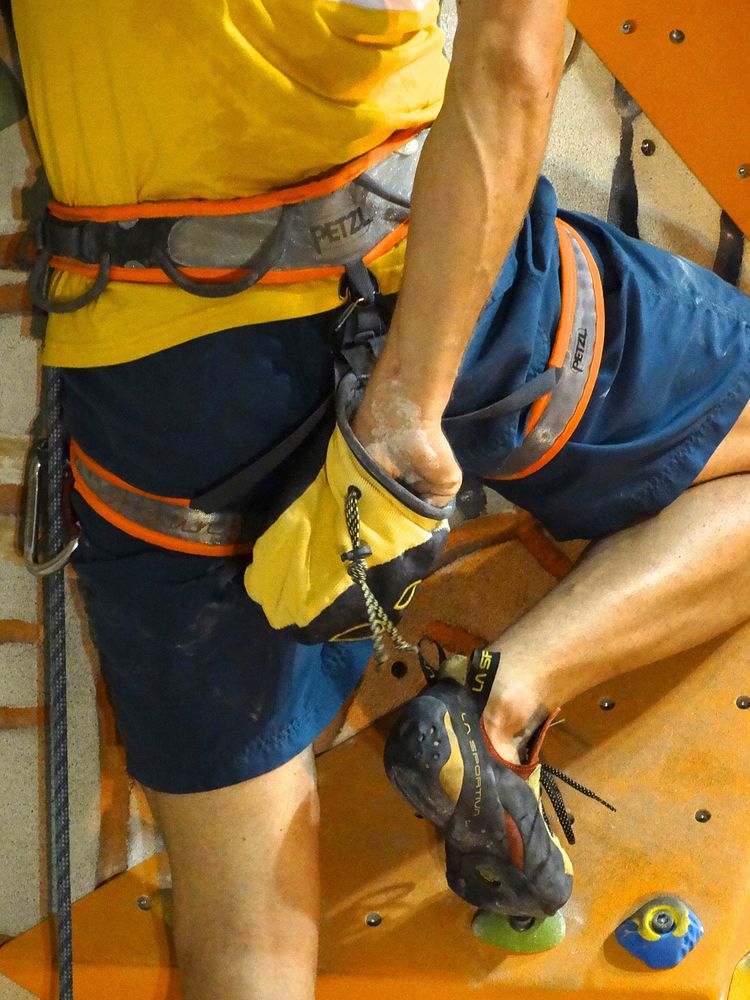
x=32, y=533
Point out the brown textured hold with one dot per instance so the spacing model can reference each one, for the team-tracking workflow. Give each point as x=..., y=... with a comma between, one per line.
x=22, y=718
x=479, y=533
x=10, y=499
x=15, y=630
x=9, y=247
x=14, y=299
x=536, y=541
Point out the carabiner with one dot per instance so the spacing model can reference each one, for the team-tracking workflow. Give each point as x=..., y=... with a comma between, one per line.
x=31, y=521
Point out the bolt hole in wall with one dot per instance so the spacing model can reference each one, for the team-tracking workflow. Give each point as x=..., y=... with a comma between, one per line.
x=399, y=669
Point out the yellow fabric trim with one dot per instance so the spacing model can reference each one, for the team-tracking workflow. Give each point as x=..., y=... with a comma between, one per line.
x=297, y=572
x=132, y=321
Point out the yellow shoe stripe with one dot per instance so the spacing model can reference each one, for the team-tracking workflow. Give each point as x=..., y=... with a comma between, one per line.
x=452, y=772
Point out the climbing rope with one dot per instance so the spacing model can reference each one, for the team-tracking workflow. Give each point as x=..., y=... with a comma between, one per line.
x=53, y=591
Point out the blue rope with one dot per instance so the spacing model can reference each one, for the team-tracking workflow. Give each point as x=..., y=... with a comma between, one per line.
x=53, y=590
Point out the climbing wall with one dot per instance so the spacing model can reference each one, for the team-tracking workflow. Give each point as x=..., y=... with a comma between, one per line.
x=108, y=833
x=607, y=157
x=669, y=745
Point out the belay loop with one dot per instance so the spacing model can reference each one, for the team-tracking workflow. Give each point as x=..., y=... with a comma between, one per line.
x=377, y=616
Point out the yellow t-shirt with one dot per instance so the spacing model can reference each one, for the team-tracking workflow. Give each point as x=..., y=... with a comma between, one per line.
x=140, y=102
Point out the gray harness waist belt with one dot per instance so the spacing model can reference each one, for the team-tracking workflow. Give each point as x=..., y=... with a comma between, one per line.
x=332, y=230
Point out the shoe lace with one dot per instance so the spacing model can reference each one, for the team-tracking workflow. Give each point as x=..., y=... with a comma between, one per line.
x=551, y=787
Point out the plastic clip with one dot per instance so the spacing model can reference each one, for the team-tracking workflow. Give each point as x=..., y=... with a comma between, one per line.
x=361, y=552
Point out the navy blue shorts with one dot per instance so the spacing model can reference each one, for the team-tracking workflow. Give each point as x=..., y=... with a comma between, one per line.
x=205, y=693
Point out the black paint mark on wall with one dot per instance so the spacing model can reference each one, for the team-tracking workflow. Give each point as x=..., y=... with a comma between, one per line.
x=623, y=195
x=729, y=253
x=12, y=99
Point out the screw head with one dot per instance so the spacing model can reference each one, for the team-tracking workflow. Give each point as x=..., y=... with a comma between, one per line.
x=677, y=36
x=703, y=815
x=744, y=170
x=628, y=27
x=648, y=147
x=743, y=702
x=373, y=919
x=143, y=903
x=606, y=704
x=399, y=669
x=521, y=924
x=662, y=922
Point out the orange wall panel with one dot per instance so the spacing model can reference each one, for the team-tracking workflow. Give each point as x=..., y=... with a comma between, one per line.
x=694, y=90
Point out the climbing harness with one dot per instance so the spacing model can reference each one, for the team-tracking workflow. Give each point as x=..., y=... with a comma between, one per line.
x=333, y=226
x=169, y=522
x=351, y=605
x=215, y=249
x=559, y=395
x=557, y=398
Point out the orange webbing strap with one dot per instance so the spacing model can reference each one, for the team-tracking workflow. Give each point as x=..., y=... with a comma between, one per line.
x=167, y=522
x=155, y=275
x=576, y=353
x=237, y=206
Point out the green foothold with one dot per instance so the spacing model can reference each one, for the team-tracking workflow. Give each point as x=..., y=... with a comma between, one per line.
x=497, y=930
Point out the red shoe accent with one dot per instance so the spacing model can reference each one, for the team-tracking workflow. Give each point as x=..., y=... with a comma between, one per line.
x=522, y=770
x=516, y=851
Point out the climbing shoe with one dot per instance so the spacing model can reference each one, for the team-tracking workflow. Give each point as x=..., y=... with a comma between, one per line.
x=501, y=854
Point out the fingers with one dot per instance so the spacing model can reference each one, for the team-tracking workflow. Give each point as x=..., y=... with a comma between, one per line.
x=436, y=499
